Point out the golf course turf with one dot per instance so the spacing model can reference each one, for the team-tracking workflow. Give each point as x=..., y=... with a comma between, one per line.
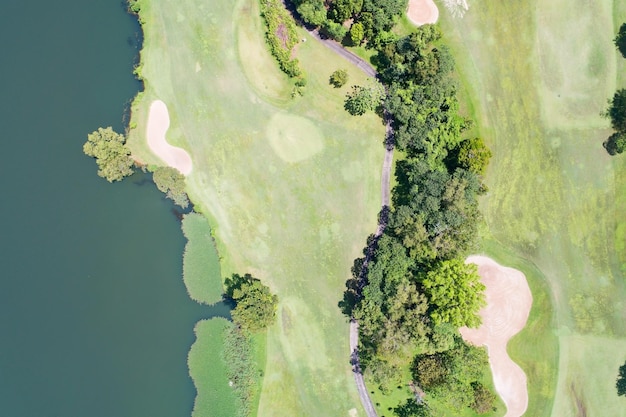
x=295, y=214
x=537, y=75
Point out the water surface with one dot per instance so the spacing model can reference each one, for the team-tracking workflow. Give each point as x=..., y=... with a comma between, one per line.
x=94, y=318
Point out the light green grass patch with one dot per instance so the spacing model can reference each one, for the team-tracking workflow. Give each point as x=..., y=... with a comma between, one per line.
x=201, y=264
x=214, y=397
x=552, y=186
x=294, y=138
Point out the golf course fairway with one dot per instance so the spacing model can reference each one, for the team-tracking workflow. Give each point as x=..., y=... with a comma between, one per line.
x=293, y=210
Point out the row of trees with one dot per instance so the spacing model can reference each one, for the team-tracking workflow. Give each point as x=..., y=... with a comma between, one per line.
x=418, y=290
x=368, y=20
x=616, y=143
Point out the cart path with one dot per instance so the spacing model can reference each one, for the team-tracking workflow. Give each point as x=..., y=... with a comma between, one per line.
x=385, y=191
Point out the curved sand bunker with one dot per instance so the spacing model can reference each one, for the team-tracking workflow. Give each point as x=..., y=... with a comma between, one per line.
x=158, y=123
x=508, y=304
x=422, y=12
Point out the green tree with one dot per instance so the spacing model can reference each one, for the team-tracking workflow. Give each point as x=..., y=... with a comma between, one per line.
x=620, y=384
x=430, y=371
x=474, y=155
x=171, y=182
x=357, y=33
x=483, y=400
x=455, y=293
x=112, y=156
x=410, y=408
x=339, y=78
x=617, y=110
x=313, y=12
x=361, y=99
x=620, y=40
x=616, y=143
x=335, y=30
x=255, y=305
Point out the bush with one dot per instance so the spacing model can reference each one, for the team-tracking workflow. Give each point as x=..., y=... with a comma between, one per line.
x=241, y=369
x=339, y=78
x=171, y=182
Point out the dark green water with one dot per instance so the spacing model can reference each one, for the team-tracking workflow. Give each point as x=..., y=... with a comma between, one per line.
x=94, y=316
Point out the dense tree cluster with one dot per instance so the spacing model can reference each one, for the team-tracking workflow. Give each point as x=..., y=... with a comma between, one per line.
x=112, y=155
x=418, y=291
x=255, y=305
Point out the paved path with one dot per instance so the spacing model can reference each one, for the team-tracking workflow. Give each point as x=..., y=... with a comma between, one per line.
x=385, y=201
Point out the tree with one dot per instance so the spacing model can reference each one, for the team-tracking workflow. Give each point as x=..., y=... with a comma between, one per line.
x=339, y=78
x=474, y=155
x=617, y=110
x=620, y=384
x=361, y=99
x=255, y=305
x=410, y=408
x=112, y=156
x=483, y=398
x=356, y=33
x=430, y=371
x=620, y=40
x=313, y=12
x=335, y=30
x=616, y=143
x=455, y=292
x=171, y=182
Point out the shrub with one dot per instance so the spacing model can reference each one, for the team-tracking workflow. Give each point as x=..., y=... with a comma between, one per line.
x=281, y=35
x=339, y=78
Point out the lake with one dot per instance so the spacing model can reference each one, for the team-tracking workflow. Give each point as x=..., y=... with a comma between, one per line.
x=94, y=317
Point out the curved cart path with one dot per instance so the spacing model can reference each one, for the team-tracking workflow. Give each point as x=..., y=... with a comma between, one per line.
x=385, y=192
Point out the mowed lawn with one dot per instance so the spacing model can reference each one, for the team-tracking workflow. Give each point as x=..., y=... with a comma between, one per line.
x=538, y=74
x=292, y=186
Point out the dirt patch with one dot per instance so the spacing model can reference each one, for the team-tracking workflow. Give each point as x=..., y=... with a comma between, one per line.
x=283, y=35
x=422, y=12
x=508, y=304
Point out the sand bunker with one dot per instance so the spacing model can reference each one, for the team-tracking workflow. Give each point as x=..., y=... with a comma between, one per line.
x=508, y=304
x=158, y=123
x=422, y=12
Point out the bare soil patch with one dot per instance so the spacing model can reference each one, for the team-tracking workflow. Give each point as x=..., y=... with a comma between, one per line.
x=508, y=305
x=422, y=12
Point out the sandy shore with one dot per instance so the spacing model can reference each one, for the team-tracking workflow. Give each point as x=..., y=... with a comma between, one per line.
x=421, y=12
x=508, y=304
x=158, y=123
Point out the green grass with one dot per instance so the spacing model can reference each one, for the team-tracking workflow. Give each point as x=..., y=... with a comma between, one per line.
x=294, y=219
x=215, y=397
x=538, y=75
x=201, y=264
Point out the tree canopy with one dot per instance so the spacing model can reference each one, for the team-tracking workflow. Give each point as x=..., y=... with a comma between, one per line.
x=455, y=293
x=620, y=384
x=362, y=99
x=339, y=78
x=112, y=156
x=255, y=305
x=617, y=110
x=620, y=40
x=171, y=182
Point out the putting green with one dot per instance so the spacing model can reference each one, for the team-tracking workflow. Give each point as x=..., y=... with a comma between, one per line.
x=294, y=138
